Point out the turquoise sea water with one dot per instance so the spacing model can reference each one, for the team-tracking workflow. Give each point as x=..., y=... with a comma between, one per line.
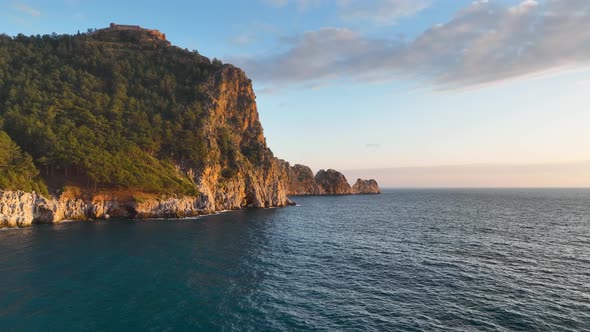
x=412, y=260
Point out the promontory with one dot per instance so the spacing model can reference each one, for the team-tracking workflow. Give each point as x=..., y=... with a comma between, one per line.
x=118, y=122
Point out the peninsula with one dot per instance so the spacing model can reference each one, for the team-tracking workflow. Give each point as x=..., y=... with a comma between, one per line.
x=117, y=122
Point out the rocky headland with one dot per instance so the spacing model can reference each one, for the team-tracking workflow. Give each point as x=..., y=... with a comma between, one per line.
x=226, y=166
x=333, y=182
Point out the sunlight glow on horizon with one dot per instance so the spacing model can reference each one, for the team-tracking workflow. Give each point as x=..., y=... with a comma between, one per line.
x=558, y=175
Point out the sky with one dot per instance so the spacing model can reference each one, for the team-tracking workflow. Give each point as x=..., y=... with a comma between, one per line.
x=414, y=93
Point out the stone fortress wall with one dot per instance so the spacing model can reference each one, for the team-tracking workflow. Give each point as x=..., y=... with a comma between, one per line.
x=122, y=27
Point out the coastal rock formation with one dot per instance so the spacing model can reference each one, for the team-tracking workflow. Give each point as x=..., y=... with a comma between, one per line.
x=366, y=187
x=187, y=144
x=252, y=176
x=333, y=182
x=301, y=181
x=16, y=209
x=20, y=209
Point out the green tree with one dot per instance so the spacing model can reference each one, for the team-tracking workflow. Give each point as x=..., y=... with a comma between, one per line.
x=108, y=110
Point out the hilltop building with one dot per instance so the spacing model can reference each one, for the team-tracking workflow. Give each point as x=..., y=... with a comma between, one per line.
x=156, y=34
x=115, y=26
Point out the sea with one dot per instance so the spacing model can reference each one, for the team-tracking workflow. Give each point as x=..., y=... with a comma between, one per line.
x=406, y=260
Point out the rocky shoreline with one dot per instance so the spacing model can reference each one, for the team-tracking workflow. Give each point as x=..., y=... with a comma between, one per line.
x=22, y=209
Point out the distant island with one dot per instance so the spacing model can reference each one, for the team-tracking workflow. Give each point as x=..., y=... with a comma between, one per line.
x=117, y=122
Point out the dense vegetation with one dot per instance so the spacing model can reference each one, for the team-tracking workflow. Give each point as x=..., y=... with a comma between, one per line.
x=17, y=171
x=102, y=110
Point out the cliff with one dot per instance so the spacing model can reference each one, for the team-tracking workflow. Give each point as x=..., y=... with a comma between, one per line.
x=366, y=187
x=256, y=178
x=301, y=181
x=128, y=128
x=21, y=209
x=333, y=182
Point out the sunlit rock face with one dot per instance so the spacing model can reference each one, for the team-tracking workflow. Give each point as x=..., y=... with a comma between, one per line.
x=333, y=182
x=366, y=187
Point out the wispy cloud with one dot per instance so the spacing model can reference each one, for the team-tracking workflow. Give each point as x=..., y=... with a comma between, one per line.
x=302, y=5
x=372, y=146
x=243, y=39
x=252, y=33
x=380, y=11
x=484, y=43
x=26, y=9
x=276, y=3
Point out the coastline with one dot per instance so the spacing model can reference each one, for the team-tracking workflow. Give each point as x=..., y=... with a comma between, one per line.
x=19, y=209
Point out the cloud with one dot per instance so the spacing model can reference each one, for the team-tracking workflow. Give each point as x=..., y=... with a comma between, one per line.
x=276, y=3
x=253, y=32
x=302, y=5
x=372, y=146
x=317, y=55
x=243, y=39
x=380, y=11
x=21, y=7
x=484, y=43
x=524, y=7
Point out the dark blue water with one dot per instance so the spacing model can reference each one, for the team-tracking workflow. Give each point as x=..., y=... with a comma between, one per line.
x=415, y=260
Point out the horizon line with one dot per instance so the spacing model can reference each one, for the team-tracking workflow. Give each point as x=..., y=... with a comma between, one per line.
x=471, y=165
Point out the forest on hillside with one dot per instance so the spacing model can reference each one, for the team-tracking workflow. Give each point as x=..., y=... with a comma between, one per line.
x=110, y=111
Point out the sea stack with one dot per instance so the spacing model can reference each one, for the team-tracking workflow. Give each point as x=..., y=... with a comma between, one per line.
x=366, y=187
x=333, y=182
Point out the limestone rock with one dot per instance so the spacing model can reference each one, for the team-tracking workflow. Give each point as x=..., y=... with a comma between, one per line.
x=366, y=187
x=167, y=208
x=333, y=182
x=256, y=178
x=300, y=180
x=16, y=208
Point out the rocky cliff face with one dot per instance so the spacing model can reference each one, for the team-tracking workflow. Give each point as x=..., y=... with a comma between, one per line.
x=366, y=187
x=238, y=171
x=267, y=188
x=261, y=180
x=333, y=182
x=300, y=181
x=20, y=209
x=256, y=178
x=16, y=209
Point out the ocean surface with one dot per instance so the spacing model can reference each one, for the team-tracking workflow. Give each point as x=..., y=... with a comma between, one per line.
x=407, y=260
